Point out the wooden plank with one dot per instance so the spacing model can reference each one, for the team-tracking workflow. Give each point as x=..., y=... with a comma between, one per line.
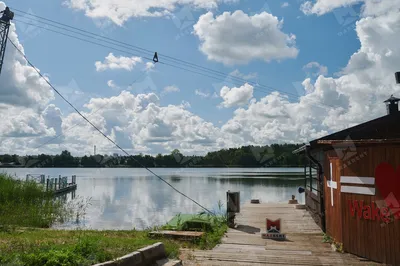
x=177, y=234
x=358, y=190
x=357, y=180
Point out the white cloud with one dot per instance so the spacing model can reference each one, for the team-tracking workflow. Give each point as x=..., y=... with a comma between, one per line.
x=237, y=73
x=331, y=104
x=285, y=4
x=370, y=7
x=315, y=69
x=24, y=98
x=202, y=93
x=20, y=83
x=172, y=88
x=321, y=7
x=112, y=62
x=111, y=84
x=149, y=66
x=236, y=96
x=119, y=11
x=139, y=122
x=257, y=37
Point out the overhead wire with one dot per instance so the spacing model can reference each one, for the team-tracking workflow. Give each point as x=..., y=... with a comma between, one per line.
x=127, y=52
x=103, y=134
x=257, y=86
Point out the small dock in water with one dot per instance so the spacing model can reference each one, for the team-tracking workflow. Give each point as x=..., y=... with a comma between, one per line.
x=59, y=185
x=244, y=244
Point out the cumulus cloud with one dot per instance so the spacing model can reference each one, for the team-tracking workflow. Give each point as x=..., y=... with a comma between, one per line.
x=24, y=98
x=331, y=104
x=236, y=96
x=119, y=11
x=256, y=37
x=117, y=62
x=315, y=69
x=20, y=83
x=140, y=122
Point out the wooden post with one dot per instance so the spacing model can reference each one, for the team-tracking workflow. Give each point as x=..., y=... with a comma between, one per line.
x=305, y=176
x=311, y=178
x=55, y=183
x=47, y=184
x=27, y=177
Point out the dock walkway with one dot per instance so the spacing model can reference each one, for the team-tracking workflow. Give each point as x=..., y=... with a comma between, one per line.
x=244, y=245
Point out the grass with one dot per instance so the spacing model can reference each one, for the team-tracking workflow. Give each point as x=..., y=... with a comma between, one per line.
x=47, y=247
x=75, y=247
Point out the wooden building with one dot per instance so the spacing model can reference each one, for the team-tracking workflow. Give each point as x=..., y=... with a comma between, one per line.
x=352, y=186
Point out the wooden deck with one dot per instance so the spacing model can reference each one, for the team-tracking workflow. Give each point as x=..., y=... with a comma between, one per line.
x=244, y=245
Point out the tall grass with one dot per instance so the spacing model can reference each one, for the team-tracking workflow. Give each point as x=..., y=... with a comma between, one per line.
x=25, y=203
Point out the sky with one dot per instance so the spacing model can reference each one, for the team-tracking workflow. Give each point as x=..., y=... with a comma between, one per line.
x=230, y=73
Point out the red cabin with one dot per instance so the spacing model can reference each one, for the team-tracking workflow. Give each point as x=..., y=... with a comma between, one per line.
x=352, y=186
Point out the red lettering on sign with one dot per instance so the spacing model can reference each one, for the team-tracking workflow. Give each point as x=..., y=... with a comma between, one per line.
x=385, y=214
x=375, y=212
x=371, y=212
x=355, y=207
x=367, y=212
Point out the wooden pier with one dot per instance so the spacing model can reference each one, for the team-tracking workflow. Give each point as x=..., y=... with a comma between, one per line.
x=245, y=246
x=59, y=185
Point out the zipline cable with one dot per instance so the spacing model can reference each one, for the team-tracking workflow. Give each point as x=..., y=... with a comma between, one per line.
x=104, y=135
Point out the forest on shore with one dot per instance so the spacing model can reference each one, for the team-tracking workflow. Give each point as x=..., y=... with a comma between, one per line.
x=275, y=155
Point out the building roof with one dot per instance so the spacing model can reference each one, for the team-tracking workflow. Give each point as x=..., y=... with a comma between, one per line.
x=381, y=130
x=392, y=99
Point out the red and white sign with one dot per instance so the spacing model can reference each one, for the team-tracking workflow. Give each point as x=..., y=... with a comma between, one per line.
x=386, y=182
x=273, y=230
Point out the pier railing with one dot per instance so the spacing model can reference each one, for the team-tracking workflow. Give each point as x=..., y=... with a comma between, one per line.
x=56, y=184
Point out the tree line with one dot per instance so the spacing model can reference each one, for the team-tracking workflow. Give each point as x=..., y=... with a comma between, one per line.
x=275, y=155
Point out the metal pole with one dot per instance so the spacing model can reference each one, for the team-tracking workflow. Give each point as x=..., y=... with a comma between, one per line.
x=4, y=29
x=305, y=175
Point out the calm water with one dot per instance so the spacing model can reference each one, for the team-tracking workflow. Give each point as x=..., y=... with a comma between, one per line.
x=127, y=198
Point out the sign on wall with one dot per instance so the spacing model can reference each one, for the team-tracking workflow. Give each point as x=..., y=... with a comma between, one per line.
x=385, y=185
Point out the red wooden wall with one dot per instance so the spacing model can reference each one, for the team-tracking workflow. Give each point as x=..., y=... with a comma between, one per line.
x=371, y=239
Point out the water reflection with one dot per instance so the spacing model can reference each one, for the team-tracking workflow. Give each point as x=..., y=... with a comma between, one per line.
x=128, y=198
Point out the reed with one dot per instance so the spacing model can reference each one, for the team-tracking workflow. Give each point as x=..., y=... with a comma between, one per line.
x=27, y=204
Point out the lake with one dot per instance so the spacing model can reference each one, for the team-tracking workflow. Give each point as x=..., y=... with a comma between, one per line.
x=127, y=198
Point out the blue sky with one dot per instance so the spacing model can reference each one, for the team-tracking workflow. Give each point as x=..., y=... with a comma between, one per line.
x=66, y=59
x=326, y=39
